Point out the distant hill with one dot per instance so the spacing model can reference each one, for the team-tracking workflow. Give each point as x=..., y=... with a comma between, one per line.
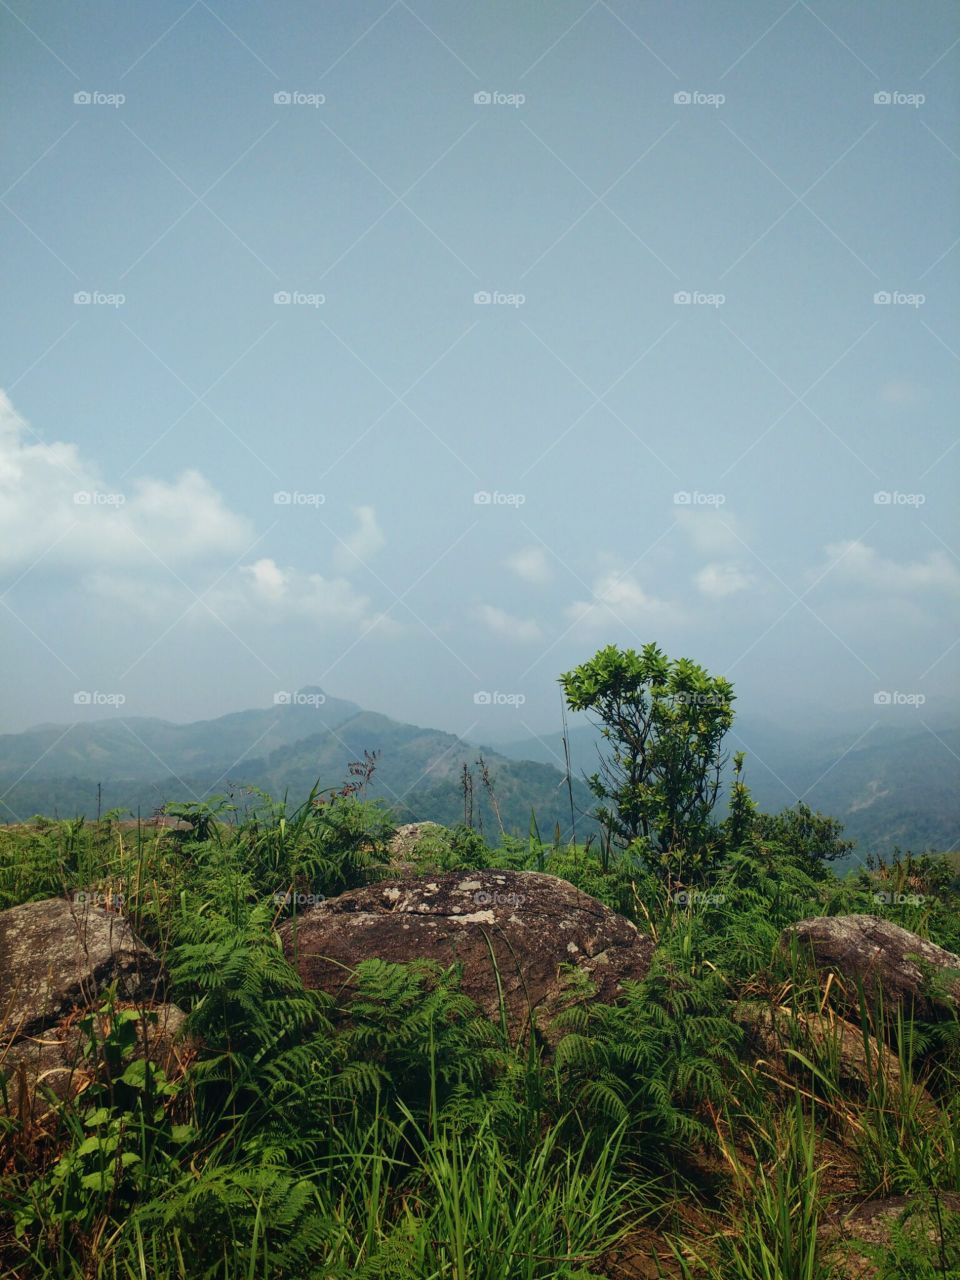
x=896, y=786
x=141, y=764
x=145, y=748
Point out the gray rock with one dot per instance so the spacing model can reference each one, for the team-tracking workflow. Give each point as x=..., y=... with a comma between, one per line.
x=56, y=955
x=533, y=924
x=888, y=960
x=852, y=1239
x=53, y=1063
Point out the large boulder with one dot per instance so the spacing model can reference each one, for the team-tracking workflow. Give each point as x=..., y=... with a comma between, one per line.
x=890, y=962
x=56, y=955
x=526, y=924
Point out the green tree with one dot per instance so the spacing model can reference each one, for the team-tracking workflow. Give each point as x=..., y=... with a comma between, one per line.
x=665, y=720
x=810, y=839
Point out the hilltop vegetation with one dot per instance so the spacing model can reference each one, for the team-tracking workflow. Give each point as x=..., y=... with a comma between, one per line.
x=402, y=1134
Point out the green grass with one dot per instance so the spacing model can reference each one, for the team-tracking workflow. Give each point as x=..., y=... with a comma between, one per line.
x=407, y=1137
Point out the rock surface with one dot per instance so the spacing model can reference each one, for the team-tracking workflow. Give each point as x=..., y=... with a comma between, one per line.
x=852, y=1239
x=53, y=1061
x=887, y=959
x=56, y=955
x=532, y=923
x=771, y=1031
x=405, y=839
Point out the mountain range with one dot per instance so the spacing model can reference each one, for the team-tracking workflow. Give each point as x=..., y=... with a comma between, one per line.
x=890, y=785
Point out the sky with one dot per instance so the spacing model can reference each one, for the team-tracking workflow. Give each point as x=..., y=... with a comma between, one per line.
x=417, y=350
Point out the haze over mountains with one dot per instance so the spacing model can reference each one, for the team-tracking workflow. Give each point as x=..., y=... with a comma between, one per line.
x=891, y=784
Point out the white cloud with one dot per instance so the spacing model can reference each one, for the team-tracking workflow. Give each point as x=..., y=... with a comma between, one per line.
x=261, y=592
x=857, y=564
x=721, y=580
x=56, y=509
x=363, y=543
x=711, y=530
x=619, y=598
x=505, y=624
x=530, y=564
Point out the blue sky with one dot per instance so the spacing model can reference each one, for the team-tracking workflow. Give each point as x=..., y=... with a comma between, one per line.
x=701, y=473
